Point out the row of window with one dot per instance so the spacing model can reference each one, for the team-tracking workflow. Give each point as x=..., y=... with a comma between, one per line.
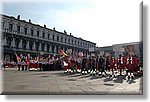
x=24, y=45
x=25, y=31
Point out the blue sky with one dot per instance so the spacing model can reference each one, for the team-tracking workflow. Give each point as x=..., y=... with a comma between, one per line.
x=105, y=22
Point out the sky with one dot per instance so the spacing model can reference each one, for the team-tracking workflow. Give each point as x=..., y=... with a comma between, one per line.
x=104, y=22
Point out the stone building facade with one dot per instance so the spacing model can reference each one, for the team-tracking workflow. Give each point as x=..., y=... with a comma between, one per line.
x=21, y=36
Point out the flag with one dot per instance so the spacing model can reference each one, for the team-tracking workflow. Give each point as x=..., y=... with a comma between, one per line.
x=18, y=58
x=27, y=61
x=49, y=56
x=53, y=58
x=63, y=53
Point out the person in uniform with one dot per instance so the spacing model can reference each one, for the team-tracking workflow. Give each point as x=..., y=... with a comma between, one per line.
x=44, y=64
x=66, y=65
x=27, y=63
x=18, y=61
x=101, y=68
x=79, y=64
x=36, y=66
x=31, y=64
x=93, y=66
x=51, y=62
x=130, y=67
x=23, y=63
x=112, y=67
x=84, y=70
x=121, y=62
x=40, y=64
x=107, y=65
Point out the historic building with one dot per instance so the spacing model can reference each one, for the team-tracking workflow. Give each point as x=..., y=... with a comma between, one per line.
x=135, y=48
x=21, y=36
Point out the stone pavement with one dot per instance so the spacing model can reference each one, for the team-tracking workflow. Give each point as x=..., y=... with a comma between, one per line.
x=56, y=82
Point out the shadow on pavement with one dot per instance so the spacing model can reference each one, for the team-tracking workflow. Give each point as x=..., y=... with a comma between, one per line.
x=107, y=79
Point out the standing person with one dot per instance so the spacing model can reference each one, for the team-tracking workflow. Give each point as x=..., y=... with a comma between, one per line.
x=90, y=64
x=101, y=66
x=130, y=67
x=107, y=65
x=44, y=64
x=31, y=64
x=18, y=61
x=66, y=65
x=27, y=63
x=59, y=64
x=112, y=67
x=121, y=62
x=36, y=66
x=93, y=66
x=79, y=64
x=51, y=64
x=23, y=63
x=84, y=70
x=40, y=64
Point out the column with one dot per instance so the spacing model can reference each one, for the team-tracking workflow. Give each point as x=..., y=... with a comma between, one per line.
x=63, y=49
x=4, y=41
x=59, y=48
x=73, y=51
x=54, y=48
x=50, y=48
x=27, y=46
x=13, y=42
x=45, y=47
x=20, y=43
x=34, y=48
x=40, y=47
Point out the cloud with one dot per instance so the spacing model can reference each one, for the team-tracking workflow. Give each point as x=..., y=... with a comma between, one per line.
x=104, y=22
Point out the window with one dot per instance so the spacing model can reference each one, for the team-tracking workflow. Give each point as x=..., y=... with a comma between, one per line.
x=31, y=32
x=48, y=36
x=38, y=33
x=25, y=31
x=3, y=24
x=72, y=41
x=18, y=29
x=48, y=47
x=53, y=37
x=75, y=42
x=30, y=45
x=10, y=27
x=61, y=39
x=65, y=40
x=42, y=46
x=37, y=46
x=57, y=38
x=68, y=40
x=24, y=44
x=43, y=35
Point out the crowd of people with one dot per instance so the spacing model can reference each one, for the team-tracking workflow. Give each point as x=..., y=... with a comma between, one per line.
x=126, y=66
x=122, y=65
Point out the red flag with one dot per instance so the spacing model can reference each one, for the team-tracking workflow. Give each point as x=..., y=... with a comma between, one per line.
x=63, y=53
x=18, y=58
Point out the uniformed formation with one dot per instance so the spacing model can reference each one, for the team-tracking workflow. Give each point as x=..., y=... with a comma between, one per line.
x=120, y=66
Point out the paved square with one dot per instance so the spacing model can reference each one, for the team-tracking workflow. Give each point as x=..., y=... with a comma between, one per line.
x=56, y=82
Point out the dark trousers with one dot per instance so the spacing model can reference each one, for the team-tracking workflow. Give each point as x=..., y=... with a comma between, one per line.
x=40, y=66
x=26, y=66
x=23, y=67
x=18, y=67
